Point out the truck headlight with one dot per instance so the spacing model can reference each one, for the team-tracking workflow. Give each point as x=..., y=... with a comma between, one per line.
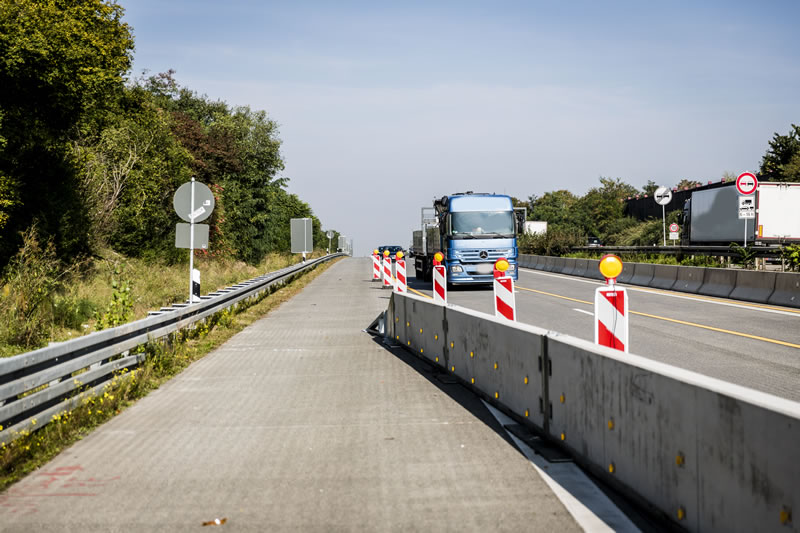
x=512, y=268
x=456, y=269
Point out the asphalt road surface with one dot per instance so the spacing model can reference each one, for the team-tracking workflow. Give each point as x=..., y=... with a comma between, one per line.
x=752, y=345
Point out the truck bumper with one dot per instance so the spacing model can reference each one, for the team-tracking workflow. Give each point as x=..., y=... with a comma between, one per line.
x=470, y=274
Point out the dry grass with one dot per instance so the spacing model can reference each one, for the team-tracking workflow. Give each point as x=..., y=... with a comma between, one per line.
x=151, y=286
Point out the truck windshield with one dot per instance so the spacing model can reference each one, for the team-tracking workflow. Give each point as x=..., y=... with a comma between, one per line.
x=482, y=224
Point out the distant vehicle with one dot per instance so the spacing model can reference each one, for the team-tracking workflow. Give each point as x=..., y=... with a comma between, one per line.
x=711, y=216
x=393, y=249
x=593, y=242
x=472, y=230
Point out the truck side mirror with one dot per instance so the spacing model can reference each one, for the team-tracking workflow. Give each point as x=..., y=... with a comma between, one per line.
x=519, y=217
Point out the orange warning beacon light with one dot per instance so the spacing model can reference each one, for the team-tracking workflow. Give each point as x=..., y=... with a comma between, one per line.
x=438, y=257
x=500, y=267
x=610, y=267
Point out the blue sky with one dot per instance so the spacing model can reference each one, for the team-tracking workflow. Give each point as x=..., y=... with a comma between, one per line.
x=384, y=105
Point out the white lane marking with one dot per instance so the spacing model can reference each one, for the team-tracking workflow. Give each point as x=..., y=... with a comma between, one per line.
x=659, y=293
x=584, y=311
x=587, y=504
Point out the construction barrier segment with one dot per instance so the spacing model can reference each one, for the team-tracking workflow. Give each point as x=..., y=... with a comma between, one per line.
x=709, y=455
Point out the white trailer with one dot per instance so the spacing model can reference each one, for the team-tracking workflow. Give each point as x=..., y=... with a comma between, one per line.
x=535, y=227
x=778, y=212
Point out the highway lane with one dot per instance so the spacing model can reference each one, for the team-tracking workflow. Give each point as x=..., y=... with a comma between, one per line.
x=748, y=344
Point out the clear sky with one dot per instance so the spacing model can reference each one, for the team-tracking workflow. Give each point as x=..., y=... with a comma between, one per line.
x=383, y=106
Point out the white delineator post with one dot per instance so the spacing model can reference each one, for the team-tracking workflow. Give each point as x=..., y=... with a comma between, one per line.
x=400, y=276
x=376, y=267
x=440, y=284
x=191, y=243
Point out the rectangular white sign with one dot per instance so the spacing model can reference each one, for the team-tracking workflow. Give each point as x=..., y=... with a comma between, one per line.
x=747, y=207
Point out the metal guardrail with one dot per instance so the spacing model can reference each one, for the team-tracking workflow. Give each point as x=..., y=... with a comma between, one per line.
x=36, y=385
x=759, y=251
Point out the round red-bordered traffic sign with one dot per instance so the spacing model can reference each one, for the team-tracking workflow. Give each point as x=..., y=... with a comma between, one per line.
x=674, y=227
x=746, y=183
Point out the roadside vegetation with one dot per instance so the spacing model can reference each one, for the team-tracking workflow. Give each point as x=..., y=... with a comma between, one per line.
x=165, y=360
x=600, y=212
x=90, y=158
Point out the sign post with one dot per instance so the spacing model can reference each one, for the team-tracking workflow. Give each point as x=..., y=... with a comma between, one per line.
x=193, y=202
x=663, y=196
x=746, y=184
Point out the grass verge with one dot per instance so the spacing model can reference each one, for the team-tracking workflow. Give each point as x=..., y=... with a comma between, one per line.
x=165, y=359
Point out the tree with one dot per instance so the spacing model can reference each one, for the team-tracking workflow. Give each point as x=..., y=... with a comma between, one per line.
x=782, y=160
x=600, y=211
x=650, y=188
x=687, y=184
x=62, y=65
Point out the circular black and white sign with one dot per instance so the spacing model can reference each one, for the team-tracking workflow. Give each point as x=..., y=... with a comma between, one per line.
x=663, y=196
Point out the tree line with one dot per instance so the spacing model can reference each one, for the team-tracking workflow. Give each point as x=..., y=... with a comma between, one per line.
x=91, y=158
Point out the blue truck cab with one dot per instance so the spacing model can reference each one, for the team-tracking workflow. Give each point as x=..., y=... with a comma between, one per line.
x=475, y=230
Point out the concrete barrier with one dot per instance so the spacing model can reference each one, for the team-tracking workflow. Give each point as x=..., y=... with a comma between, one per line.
x=627, y=272
x=753, y=286
x=643, y=274
x=689, y=279
x=549, y=263
x=580, y=267
x=787, y=290
x=718, y=282
x=709, y=455
x=569, y=267
x=559, y=263
x=664, y=276
x=593, y=269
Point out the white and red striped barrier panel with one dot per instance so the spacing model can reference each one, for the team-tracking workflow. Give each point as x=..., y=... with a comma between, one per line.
x=376, y=267
x=611, y=317
x=504, y=303
x=387, y=272
x=440, y=284
x=400, y=276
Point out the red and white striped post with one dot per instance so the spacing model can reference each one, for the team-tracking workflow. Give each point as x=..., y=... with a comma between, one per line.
x=611, y=308
x=504, y=301
x=376, y=266
x=387, y=270
x=439, y=279
x=400, y=274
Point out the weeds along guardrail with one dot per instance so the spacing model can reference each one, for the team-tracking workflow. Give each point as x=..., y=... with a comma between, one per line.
x=36, y=385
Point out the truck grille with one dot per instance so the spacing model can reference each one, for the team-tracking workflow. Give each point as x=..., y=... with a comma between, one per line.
x=474, y=255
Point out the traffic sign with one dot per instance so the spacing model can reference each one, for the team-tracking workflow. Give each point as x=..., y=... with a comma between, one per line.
x=663, y=196
x=203, y=202
x=746, y=183
x=747, y=207
x=184, y=234
x=674, y=227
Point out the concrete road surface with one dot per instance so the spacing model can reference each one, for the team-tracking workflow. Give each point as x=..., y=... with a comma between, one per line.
x=302, y=422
